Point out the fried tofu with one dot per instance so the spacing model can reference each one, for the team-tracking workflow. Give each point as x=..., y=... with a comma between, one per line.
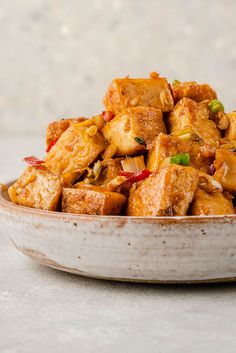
x=132, y=92
x=75, y=150
x=192, y=90
x=37, y=187
x=225, y=165
x=164, y=146
x=215, y=203
x=230, y=133
x=167, y=193
x=188, y=113
x=133, y=129
x=93, y=200
x=56, y=129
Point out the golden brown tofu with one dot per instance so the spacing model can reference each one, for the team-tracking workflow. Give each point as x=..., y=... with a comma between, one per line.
x=215, y=203
x=192, y=90
x=56, y=129
x=225, y=165
x=163, y=146
x=230, y=133
x=92, y=200
x=37, y=187
x=74, y=150
x=167, y=193
x=188, y=113
x=133, y=129
x=132, y=92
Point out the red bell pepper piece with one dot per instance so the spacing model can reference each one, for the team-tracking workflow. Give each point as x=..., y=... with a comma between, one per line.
x=34, y=161
x=51, y=145
x=133, y=177
x=107, y=115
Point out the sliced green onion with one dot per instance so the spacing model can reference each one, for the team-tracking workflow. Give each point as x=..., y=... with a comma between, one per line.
x=140, y=140
x=216, y=106
x=175, y=82
x=182, y=159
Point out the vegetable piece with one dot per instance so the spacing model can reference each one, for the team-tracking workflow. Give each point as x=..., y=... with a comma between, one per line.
x=32, y=160
x=216, y=106
x=107, y=115
x=175, y=82
x=139, y=140
x=182, y=159
x=133, y=165
x=133, y=177
x=52, y=144
x=186, y=134
x=109, y=152
x=208, y=183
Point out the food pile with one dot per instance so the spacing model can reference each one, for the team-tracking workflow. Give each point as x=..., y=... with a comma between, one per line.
x=156, y=150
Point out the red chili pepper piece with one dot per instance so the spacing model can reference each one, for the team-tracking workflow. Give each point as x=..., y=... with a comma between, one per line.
x=51, y=145
x=212, y=169
x=107, y=115
x=127, y=174
x=133, y=177
x=31, y=160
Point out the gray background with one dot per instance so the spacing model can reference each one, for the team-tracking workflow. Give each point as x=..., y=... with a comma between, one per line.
x=57, y=57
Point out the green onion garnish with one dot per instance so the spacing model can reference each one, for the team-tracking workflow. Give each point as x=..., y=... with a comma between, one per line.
x=140, y=140
x=175, y=82
x=216, y=106
x=182, y=159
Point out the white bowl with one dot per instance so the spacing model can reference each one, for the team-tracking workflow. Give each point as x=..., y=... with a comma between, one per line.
x=139, y=249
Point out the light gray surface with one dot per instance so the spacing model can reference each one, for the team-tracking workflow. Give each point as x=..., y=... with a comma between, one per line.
x=44, y=310
x=57, y=57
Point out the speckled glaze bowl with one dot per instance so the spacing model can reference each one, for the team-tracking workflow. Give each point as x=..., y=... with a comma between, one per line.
x=138, y=249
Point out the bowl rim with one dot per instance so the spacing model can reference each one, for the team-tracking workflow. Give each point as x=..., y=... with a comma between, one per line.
x=9, y=207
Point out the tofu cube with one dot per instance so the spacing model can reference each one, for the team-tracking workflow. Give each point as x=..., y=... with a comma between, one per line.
x=130, y=92
x=74, y=150
x=188, y=113
x=126, y=129
x=37, y=187
x=167, y=193
x=215, y=203
x=93, y=200
x=230, y=133
x=56, y=129
x=225, y=165
x=193, y=90
x=164, y=146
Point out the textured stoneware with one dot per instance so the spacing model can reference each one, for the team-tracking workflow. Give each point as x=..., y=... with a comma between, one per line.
x=158, y=249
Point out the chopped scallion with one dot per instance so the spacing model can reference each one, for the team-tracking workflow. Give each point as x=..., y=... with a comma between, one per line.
x=216, y=106
x=182, y=159
x=140, y=140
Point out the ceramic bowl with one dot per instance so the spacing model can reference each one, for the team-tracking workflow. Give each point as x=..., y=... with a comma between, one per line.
x=139, y=249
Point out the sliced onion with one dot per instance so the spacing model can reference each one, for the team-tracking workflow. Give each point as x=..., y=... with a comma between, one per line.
x=133, y=165
x=97, y=168
x=210, y=183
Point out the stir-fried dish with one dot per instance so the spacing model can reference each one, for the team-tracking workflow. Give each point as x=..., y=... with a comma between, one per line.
x=158, y=149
